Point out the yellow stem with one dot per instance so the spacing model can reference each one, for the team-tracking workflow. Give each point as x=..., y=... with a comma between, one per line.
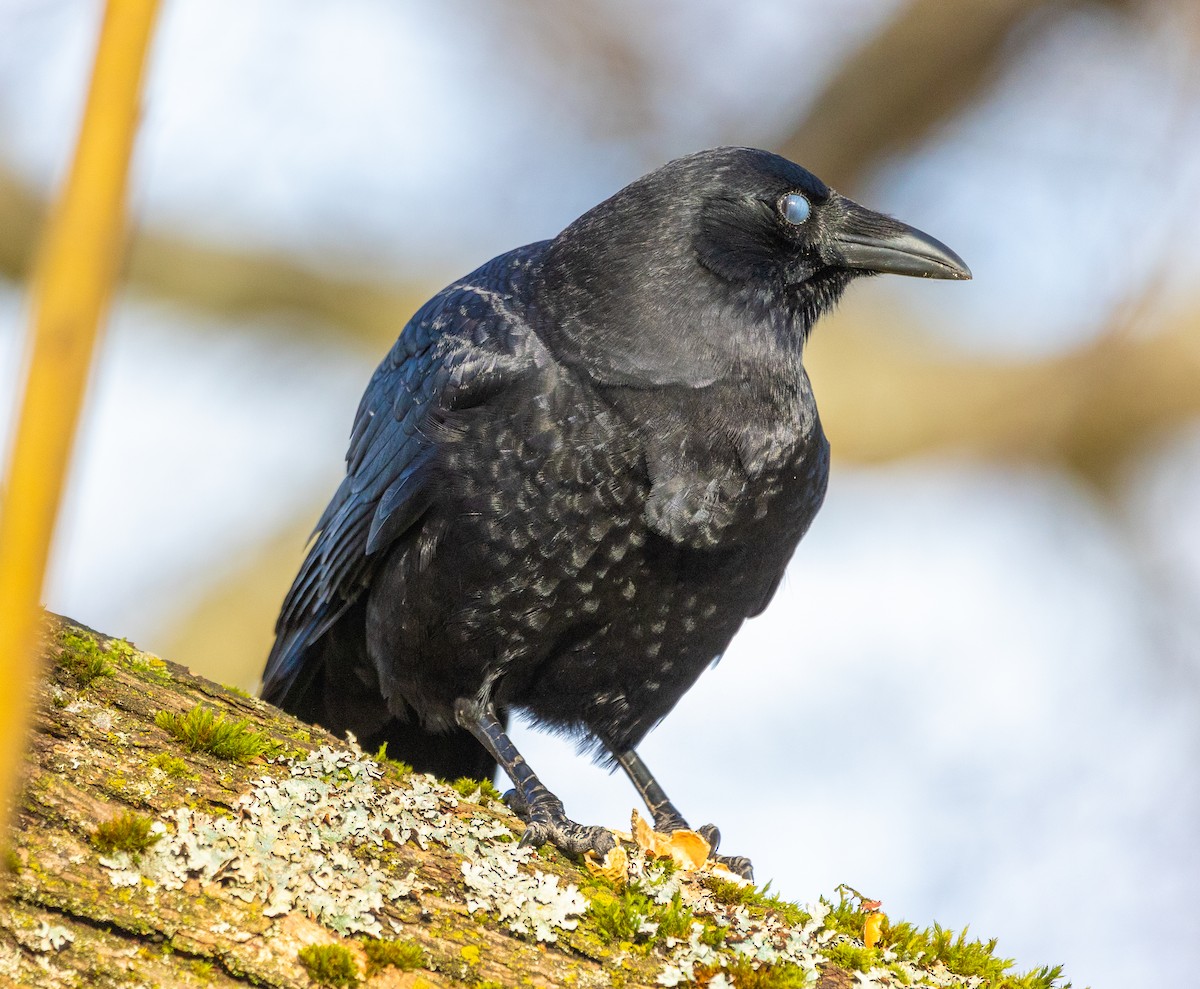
x=71, y=289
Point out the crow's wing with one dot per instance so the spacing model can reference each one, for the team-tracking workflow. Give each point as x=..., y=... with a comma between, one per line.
x=462, y=347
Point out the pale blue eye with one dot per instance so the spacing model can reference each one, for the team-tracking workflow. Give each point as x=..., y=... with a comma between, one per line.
x=796, y=208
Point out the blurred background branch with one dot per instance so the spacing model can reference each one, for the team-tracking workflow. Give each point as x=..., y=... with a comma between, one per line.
x=924, y=67
x=221, y=280
x=1089, y=411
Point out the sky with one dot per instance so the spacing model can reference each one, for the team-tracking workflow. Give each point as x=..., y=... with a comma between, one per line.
x=974, y=696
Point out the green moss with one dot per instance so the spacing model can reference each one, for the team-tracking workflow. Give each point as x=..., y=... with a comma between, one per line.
x=921, y=947
x=758, y=902
x=744, y=975
x=963, y=956
x=847, y=915
x=171, y=765
x=666, y=866
x=729, y=892
x=201, y=968
x=674, y=919
x=86, y=659
x=466, y=788
x=619, y=916
x=404, y=955
x=853, y=956
x=238, y=691
x=203, y=730
x=12, y=861
x=1045, y=977
x=149, y=667
x=329, y=965
x=392, y=768
x=127, y=832
x=713, y=934
x=82, y=657
x=927, y=946
x=615, y=918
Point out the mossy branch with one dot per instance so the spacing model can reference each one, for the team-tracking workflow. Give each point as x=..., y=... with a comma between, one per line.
x=149, y=855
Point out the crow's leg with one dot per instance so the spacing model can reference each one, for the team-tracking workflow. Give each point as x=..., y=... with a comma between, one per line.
x=545, y=819
x=667, y=817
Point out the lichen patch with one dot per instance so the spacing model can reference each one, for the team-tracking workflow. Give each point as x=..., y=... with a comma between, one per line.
x=306, y=842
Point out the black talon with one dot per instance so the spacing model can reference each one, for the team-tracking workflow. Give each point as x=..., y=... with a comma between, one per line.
x=516, y=803
x=543, y=814
x=569, y=837
x=738, y=864
x=668, y=819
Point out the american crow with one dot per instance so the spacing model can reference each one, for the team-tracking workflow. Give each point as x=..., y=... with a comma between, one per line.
x=577, y=472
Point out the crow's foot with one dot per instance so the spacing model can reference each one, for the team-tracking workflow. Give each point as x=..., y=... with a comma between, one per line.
x=569, y=837
x=669, y=821
x=546, y=821
x=738, y=864
x=667, y=818
x=540, y=809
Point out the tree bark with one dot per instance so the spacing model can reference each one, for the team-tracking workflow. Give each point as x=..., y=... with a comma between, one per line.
x=73, y=914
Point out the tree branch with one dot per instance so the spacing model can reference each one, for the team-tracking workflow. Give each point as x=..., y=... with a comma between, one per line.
x=929, y=62
x=144, y=861
x=886, y=397
x=224, y=281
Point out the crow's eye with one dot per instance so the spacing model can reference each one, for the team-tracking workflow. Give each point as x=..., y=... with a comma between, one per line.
x=796, y=208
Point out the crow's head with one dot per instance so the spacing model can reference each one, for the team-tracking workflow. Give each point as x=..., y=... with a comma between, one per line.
x=661, y=280
x=767, y=224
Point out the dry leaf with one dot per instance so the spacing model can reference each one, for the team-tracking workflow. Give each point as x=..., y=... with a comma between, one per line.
x=614, y=868
x=687, y=849
x=643, y=834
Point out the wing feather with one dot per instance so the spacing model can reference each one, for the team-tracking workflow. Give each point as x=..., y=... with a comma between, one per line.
x=464, y=346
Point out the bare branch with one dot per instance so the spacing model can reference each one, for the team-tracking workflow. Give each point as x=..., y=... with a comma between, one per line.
x=888, y=397
x=225, y=281
x=929, y=62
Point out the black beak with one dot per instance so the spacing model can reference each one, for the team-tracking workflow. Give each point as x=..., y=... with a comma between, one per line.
x=873, y=242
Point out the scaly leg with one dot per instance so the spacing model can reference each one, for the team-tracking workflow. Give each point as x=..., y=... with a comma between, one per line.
x=542, y=811
x=667, y=818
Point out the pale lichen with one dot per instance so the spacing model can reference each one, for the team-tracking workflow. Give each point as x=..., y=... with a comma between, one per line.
x=305, y=842
x=528, y=903
x=321, y=838
x=47, y=938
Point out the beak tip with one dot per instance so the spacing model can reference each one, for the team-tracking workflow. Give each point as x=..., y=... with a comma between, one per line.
x=877, y=243
x=956, y=267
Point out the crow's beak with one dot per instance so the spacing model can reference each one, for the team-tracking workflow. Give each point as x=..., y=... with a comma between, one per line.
x=874, y=242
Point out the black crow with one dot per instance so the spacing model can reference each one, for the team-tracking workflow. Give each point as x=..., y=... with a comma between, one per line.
x=577, y=472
